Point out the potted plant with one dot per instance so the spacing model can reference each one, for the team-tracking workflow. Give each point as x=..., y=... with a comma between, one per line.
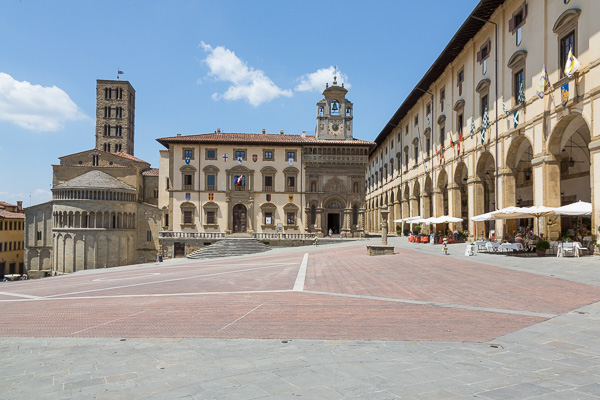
x=541, y=246
x=417, y=229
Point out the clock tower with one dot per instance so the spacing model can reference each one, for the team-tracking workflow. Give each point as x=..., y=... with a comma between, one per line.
x=334, y=114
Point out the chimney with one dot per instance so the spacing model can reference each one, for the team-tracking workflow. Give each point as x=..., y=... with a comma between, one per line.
x=303, y=133
x=218, y=130
x=264, y=131
x=281, y=131
x=179, y=134
x=19, y=206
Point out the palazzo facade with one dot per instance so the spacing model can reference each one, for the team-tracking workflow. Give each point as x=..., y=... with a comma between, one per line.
x=483, y=129
x=261, y=183
x=103, y=211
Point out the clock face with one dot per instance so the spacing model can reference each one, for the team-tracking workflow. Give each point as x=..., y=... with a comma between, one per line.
x=335, y=127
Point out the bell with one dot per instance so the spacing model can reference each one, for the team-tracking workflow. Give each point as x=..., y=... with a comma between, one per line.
x=335, y=106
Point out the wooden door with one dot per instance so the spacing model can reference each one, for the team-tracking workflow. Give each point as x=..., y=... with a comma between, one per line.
x=239, y=218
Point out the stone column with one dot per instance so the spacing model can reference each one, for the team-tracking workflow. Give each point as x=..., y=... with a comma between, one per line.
x=361, y=222
x=508, y=199
x=347, y=225
x=250, y=217
x=476, y=206
x=594, y=147
x=397, y=214
x=546, y=191
x=454, y=203
x=319, y=222
x=384, y=225
x=307, y=217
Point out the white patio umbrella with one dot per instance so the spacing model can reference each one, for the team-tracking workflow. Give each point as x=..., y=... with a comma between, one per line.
x=579, y=208
x=524, y=212
x=575, y=209
x=445, y=219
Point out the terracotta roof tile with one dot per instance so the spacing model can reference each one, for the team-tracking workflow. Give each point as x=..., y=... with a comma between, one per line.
x=258, y=138
x=5, y=204
x=150, y=172
x=12, y=215
x=130, y=157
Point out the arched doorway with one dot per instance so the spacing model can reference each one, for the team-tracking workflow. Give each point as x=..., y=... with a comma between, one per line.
x=240, y=218
x=569, y=144
x=334, y=211
x=518, y=185
x=485, y=189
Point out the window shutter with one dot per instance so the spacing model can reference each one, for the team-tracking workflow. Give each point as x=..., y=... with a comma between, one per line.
x=479, y=56
x=524, y=11
x=511, y=24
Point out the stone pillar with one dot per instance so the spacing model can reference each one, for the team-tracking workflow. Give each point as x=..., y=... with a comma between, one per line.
x=319, y=222
x=508, y=199
x=397, y=214
x=405, y=213
x=426, y=199
x=361, y=222
x=307, y=219
x=594, y=147
x=250, y=217
x=347, y=224
x=454, y=203
x=475, y=189
x=546, y=191
x=384, y=225
x=438, y=208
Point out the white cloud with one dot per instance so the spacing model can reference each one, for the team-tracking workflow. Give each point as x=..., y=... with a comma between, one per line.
x=316, y=81
x=35, y=107
x=247, y=83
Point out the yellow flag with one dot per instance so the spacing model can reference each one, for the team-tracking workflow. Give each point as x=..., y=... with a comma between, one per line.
x=572, y=64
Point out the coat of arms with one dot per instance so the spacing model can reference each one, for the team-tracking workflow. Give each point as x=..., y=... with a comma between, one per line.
x=254, y=157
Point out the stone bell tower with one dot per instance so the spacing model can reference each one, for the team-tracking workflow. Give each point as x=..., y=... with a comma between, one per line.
x=115, y=116
x=334, y=114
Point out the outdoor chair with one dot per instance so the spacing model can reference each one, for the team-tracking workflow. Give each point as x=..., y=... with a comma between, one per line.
x=568, y=248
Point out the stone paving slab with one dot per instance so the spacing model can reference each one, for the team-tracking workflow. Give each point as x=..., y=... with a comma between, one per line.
x=557, y=357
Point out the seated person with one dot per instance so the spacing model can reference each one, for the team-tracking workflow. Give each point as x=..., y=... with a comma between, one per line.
x=519, y=239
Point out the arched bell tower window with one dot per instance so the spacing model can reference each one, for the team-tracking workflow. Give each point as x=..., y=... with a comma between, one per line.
x=335, y=107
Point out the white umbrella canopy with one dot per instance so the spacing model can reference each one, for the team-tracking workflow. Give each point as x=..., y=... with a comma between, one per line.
x=579, y=208
x=483, y=217
x=444, y=219
x=408, y=219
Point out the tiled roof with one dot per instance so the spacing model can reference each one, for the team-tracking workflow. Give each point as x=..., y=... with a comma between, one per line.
x=130, y=157
x=12, y=215
x=150, y=172
x=258, y=138
x=94, y=180
x=5, y=204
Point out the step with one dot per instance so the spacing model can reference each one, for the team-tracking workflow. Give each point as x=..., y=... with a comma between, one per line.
x=236, y=246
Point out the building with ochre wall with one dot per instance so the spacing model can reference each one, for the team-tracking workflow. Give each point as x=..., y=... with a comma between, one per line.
x=11, y=239
x=218, y=184
x=483, y=129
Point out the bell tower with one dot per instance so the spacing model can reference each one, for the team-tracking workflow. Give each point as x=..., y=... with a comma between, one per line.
x=115, y=116
x=334, y=114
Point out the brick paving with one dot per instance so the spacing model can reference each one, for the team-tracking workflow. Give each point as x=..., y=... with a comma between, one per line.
x=415, y=325
x=348, y=295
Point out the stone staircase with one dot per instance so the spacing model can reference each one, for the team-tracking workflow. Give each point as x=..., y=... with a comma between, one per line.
x=231, y=246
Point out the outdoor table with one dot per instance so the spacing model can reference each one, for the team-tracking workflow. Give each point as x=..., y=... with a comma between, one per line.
x=492, y=246
x=480, y=245
x=576, y=249
x=512, y=246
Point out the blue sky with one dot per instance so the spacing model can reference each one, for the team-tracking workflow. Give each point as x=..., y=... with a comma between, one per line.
x=240, y=66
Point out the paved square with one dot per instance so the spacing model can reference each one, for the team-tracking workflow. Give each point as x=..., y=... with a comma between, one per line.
x=327, y=323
